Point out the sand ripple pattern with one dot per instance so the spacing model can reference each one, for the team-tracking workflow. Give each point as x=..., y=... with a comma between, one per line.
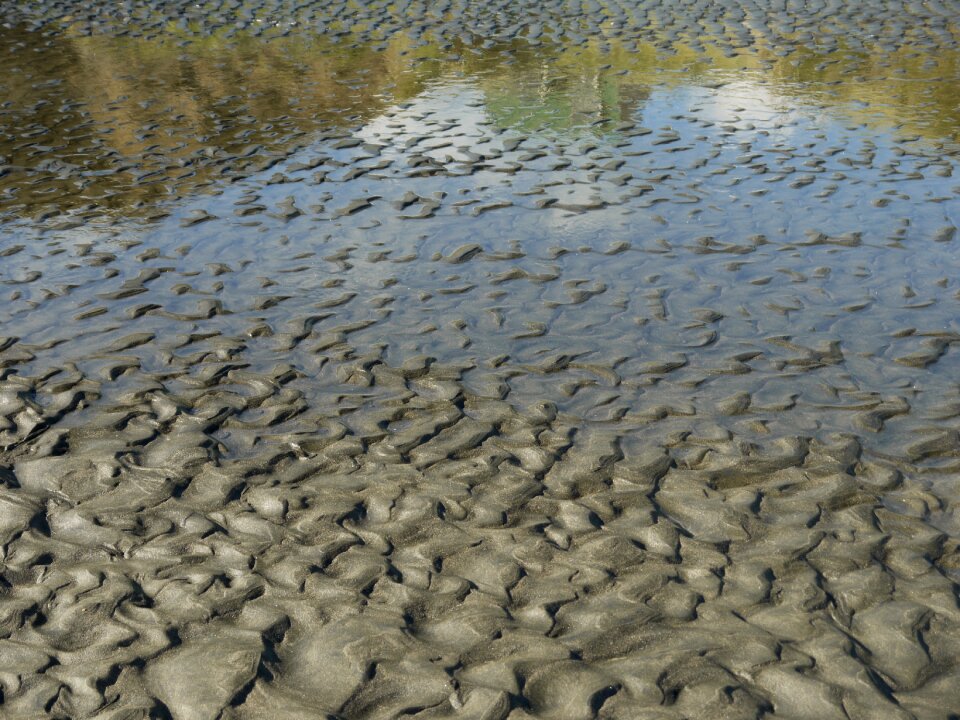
x=427, y=409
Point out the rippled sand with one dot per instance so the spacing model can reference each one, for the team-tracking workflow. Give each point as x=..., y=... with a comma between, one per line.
x=480, y=360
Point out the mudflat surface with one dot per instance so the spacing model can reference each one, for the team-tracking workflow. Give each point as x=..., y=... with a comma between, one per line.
x=562, y=360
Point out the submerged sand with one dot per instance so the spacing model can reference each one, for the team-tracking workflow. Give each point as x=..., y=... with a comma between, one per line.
x=480, y=360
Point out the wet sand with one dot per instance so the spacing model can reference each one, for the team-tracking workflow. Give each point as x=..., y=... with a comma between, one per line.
x=480, y=360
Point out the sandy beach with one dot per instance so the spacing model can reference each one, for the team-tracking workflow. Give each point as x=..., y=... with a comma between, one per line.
x=563, y=360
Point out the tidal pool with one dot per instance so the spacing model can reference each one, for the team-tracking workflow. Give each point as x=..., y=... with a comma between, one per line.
x=485, y=360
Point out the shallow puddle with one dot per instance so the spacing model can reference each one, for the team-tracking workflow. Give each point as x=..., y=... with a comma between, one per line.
x=560, y=360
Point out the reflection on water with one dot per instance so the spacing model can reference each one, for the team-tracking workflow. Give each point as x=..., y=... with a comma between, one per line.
x=121, y=123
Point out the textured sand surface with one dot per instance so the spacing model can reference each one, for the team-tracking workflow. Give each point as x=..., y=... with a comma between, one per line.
x=559, y=360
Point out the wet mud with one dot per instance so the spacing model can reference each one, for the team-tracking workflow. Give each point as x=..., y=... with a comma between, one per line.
x=484, y=360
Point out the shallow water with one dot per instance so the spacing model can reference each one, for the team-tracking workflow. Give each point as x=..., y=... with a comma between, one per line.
x=557, y=360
